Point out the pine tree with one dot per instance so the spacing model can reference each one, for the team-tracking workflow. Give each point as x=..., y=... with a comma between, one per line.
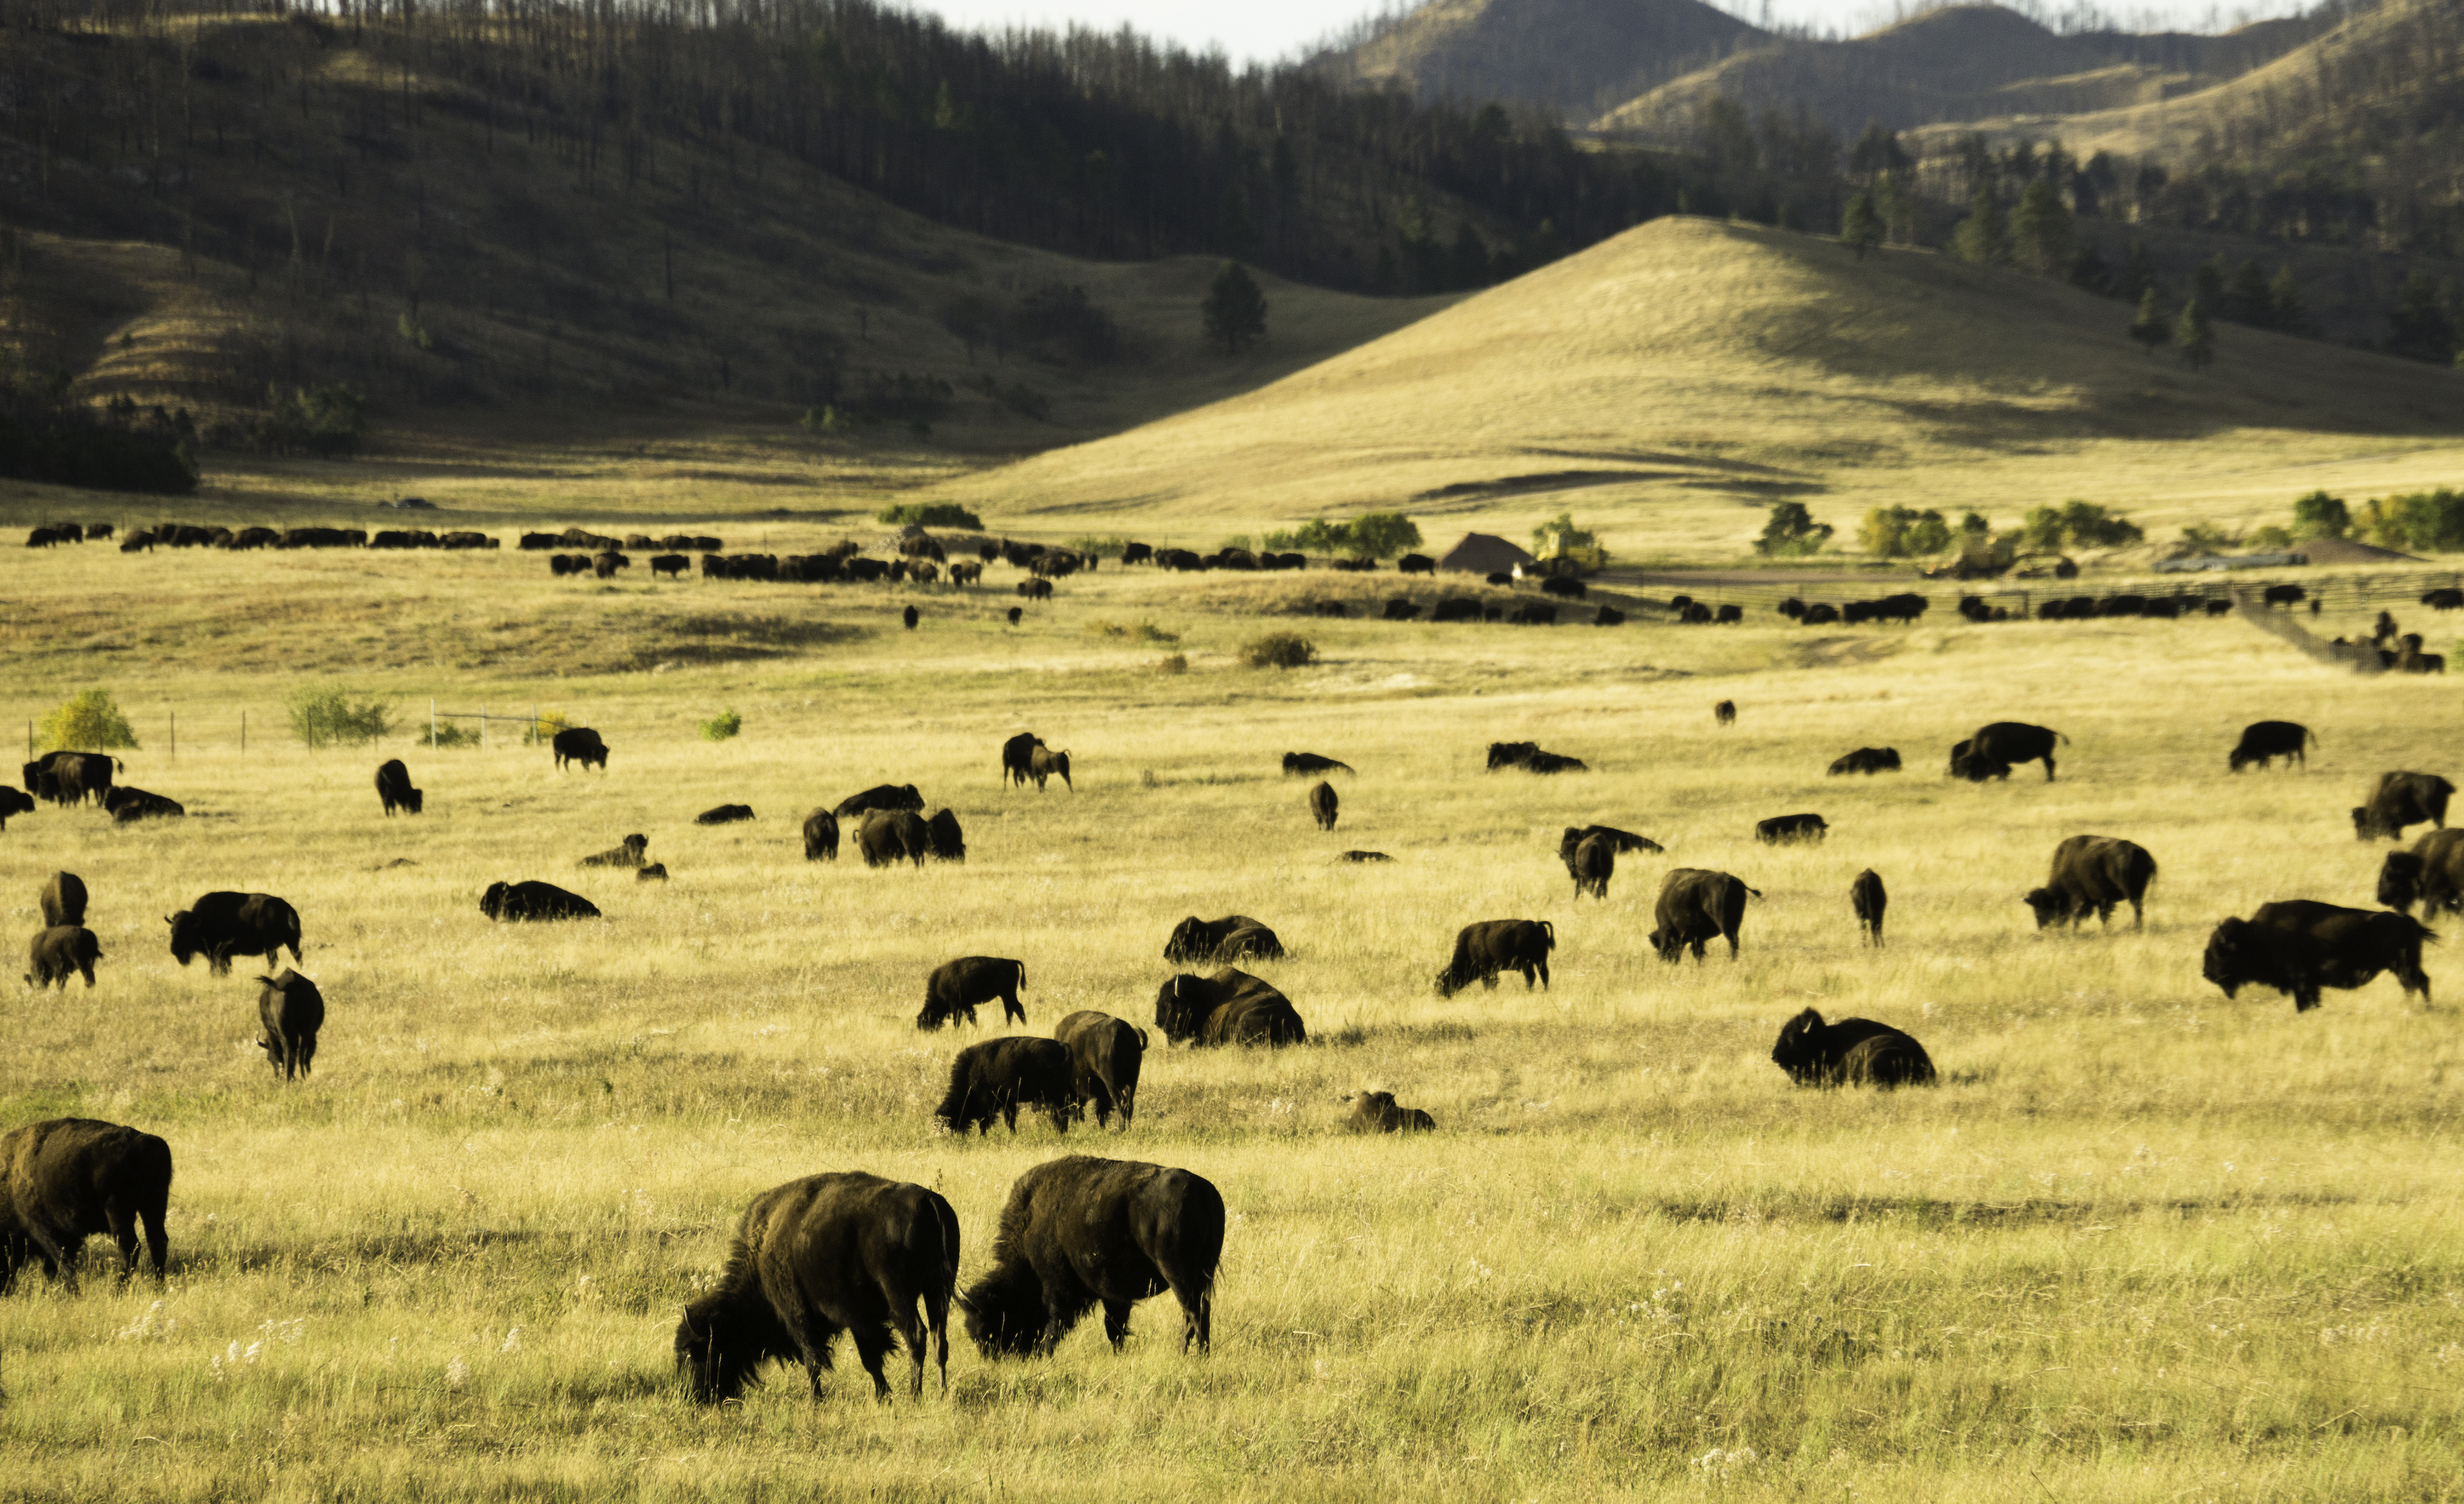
x=2284, y=305
x=1984, y=237
x=2040, y=232
x=2196, y=335
x=1861, y=225
x=1235, y=310
x=2420, y=328
x=2138, y=273
x=2246, y=300
x=2150, y=327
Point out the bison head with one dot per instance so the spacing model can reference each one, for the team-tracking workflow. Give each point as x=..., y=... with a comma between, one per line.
x=2400, y=881
x=1004, y=1311
x=414, y=800
x=1796, y=1052
x=2228, y=956
x=1181, y=1006
x=1191, y=940
x=2368, y=826
x=186, y=942
x=492, y=903
x=932, y=1017
x=2051, y=907
x=2239, y=758
x=722, y=1343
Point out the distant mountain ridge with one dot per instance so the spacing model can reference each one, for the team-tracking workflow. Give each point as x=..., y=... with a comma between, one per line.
x=1572, y=57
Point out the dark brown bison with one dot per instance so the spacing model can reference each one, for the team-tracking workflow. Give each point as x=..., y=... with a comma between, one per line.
x=654, y=871
x=996, y=1078
x=1235, y=937
x=63, y=899
x=1622, y=842
x=1300, y=763
x=1855, y=1052
x=65, y=1179
x=14, y=802
x=2015, y=742
x=888, y=836
x=1791, y=827
x=1230, y=1007
x=292, y=1012
x=821, y=837
x=2300, y=947
x=944, y=841
x=1975, y=766
x=579, y=745
x=1365, y=856
x=1080, y=1232
x=394, y=790
x=2092, y=873
x=1377, y=1112
x=724, y=814
x=1324, y=806
x=884, y=797
x=2431, y=874
x=1869, y=900
x=1483, y=950
x=60, y=952
x=129, y=804
x=626, y=852
x=2400, y=800
x=2263, y=741
x=1594, y=864
x=1043, y=763
x=1105, y=1057
x=1017, y=756
x=221, y=925
x=958, y=988
x=522, y=902
x=1867, y=759
x=1510, y=754
x=1725, y=713
x=846, y=1253
x=1697, y=907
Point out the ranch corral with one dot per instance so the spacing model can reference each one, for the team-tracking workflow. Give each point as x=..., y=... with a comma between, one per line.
x=2138, y=1239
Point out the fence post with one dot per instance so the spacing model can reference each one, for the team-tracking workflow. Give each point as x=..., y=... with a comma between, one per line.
x=175, y=733
x=243, y=730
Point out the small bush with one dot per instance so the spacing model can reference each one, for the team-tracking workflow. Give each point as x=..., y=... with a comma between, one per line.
x=930, y=514
x=721, y=727
x=1172, y=663
x=1143, y=632
x=87, y=722
x=445, y=734
x=543, y=730
x=1791, y=532
x=2077, y=524
x=1279, y=650
x=1373, y=535
x=325, y=715
x=1901, y=532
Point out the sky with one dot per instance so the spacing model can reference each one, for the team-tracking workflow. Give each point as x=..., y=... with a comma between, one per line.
x=1267, y=30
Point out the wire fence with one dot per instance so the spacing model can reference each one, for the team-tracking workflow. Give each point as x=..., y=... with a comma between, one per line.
x=2026, y=598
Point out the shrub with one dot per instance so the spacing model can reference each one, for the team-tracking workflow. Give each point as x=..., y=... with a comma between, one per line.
x=1899, y=532
x=445, y=734
x=1172, y=663
x=325, y=715
x=2426, y=521
x=1143, y=632
x=1056, y=320
x=2319, y=515
x=543, y=729
x=721, y=727
x=1791, y=532
x=1279, y=650
x=930, y=514
x=2077, y=524
x=87, y=722
x=1372, y=535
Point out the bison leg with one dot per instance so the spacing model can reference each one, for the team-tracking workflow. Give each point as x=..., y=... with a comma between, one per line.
x=218, y=961
x=872, y=1347
x=1009, y=1115
x=1012, y=1012
x=2408, y=972
x=1116, y=1322
x=1196, y=1317
x=1488, y=981
x=59, y=1262
x=85, y=969
x=2049, y=767
x=122, y=1219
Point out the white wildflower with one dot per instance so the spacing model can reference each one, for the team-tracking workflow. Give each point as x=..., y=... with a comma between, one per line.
x=513, y=1341
x=457, y=1373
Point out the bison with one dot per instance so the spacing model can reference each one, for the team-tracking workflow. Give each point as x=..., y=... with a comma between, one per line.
x=60, y=952
x=959, y=986
x=2300, y=947
x=888, y=836
x=292, y=1010
x=2431, y=874
x=394, y=790
x=1867, y=759
x=1018, y=754
x=1104, y=1055
x=1377, y=1112
x=1485, y=949
x=1594, y=862
x=821, y=837
x=1975, y=766
x=1622, y=842
x=724, y=814
x=1855, y=1052
x=521, y=902
x=1235, y=937
x=1043, y=763
x=1306, y=763
x=943, y=839
x=221, y=925
x=1867, y=896
x=1791, y=827
x=1725, y=713
x=14, y=802
x=67, y=1179
x=1323, y=805
x=1230, y=1007
x=2400, y=800
x=842, y=1253
x=626, y=852
x=579, y=745
x=1696, y=907
x=2263, y=741
x=2015, y=742
x=2091, y=874
x=655, y=872
x=880, y=797
x=129, y=804
x=63, y=899
x=1079, y=1232
x=996, y=1078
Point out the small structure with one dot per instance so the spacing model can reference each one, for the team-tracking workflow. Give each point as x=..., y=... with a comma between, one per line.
x=1487, y=553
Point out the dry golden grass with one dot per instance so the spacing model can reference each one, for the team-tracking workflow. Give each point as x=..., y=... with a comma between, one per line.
x=2143, y=1243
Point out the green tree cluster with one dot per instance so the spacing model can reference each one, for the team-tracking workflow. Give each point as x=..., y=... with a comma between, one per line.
x=2075, y=525
x=326, y=714
x=86, y=722
x=1899, y=532
x=1372, y=535
x=2319, y=515
x=930, y=514
x=2422, y=521
x=1791, y=532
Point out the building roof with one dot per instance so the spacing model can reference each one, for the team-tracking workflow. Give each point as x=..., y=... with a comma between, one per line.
x=1485, y=553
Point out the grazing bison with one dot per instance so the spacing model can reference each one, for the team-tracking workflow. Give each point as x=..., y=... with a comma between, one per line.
x=1622, y=842
x=1867, y=759
x=292, y=1010
x=1510, y=754
x=959, y=986
x=1855, y=1052
x=2300, y=947
x=1230, y=1007
x=673, y=565
x=520, y=902
x=1104, y=1055
x=1869, y=899
x=1018, y=755
x=1323, y=805
x=1036, y=590
x=996, y=1078
x=1791, y=827
x=60, y=952
x=628, y=852
x=65, y=1179
x=821, y=837
x=2400, y=800
x=1725, y=713
x=1552, y=762
x=845, y=1252
x=579, y=744
x=14, y=803
x=1365, y=856
x=1416, y=563
x=1400, y=608
x=1975, y=766
x=943, y=839
x=1377, y=1112
x=2263, y=741
x=2091, y=874
x=1594, y=862
x=221, y=925
x=1043, y=763
x=1307, y=762
x=1080, y=1232
x=2015, y=742
x=2431, y=874
x=63, y=899
x=1483, y=950
x=1235, y=937
x=724, y=814
x=1696, y=907
x=886, y=797
x=911, y=616
x=394, y=790
x=888, y=836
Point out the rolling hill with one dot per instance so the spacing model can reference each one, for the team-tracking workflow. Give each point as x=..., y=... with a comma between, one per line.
x=1565, y=56
x=1675, y=381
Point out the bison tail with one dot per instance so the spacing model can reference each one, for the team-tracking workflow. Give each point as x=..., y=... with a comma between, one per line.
x=1550, y=931
x=1754, y=892
x=2063, y=740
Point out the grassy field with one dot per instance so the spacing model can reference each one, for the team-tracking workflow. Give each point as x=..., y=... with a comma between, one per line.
x=2143, y=1242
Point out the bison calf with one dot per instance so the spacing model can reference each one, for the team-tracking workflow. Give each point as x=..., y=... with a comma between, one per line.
x=59, y=953
x=1594, y=862
x=63, y=901
x=292, y=1010
x=1377, y=1112
x=1323, y=805
x=394, y=790
x=1869, y=899
x=821, y=837
x=1078, y=1233
x=996, y=1078
x=65, y=1179
x=961, y=987
x=724, y=814
x=1491, y=946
